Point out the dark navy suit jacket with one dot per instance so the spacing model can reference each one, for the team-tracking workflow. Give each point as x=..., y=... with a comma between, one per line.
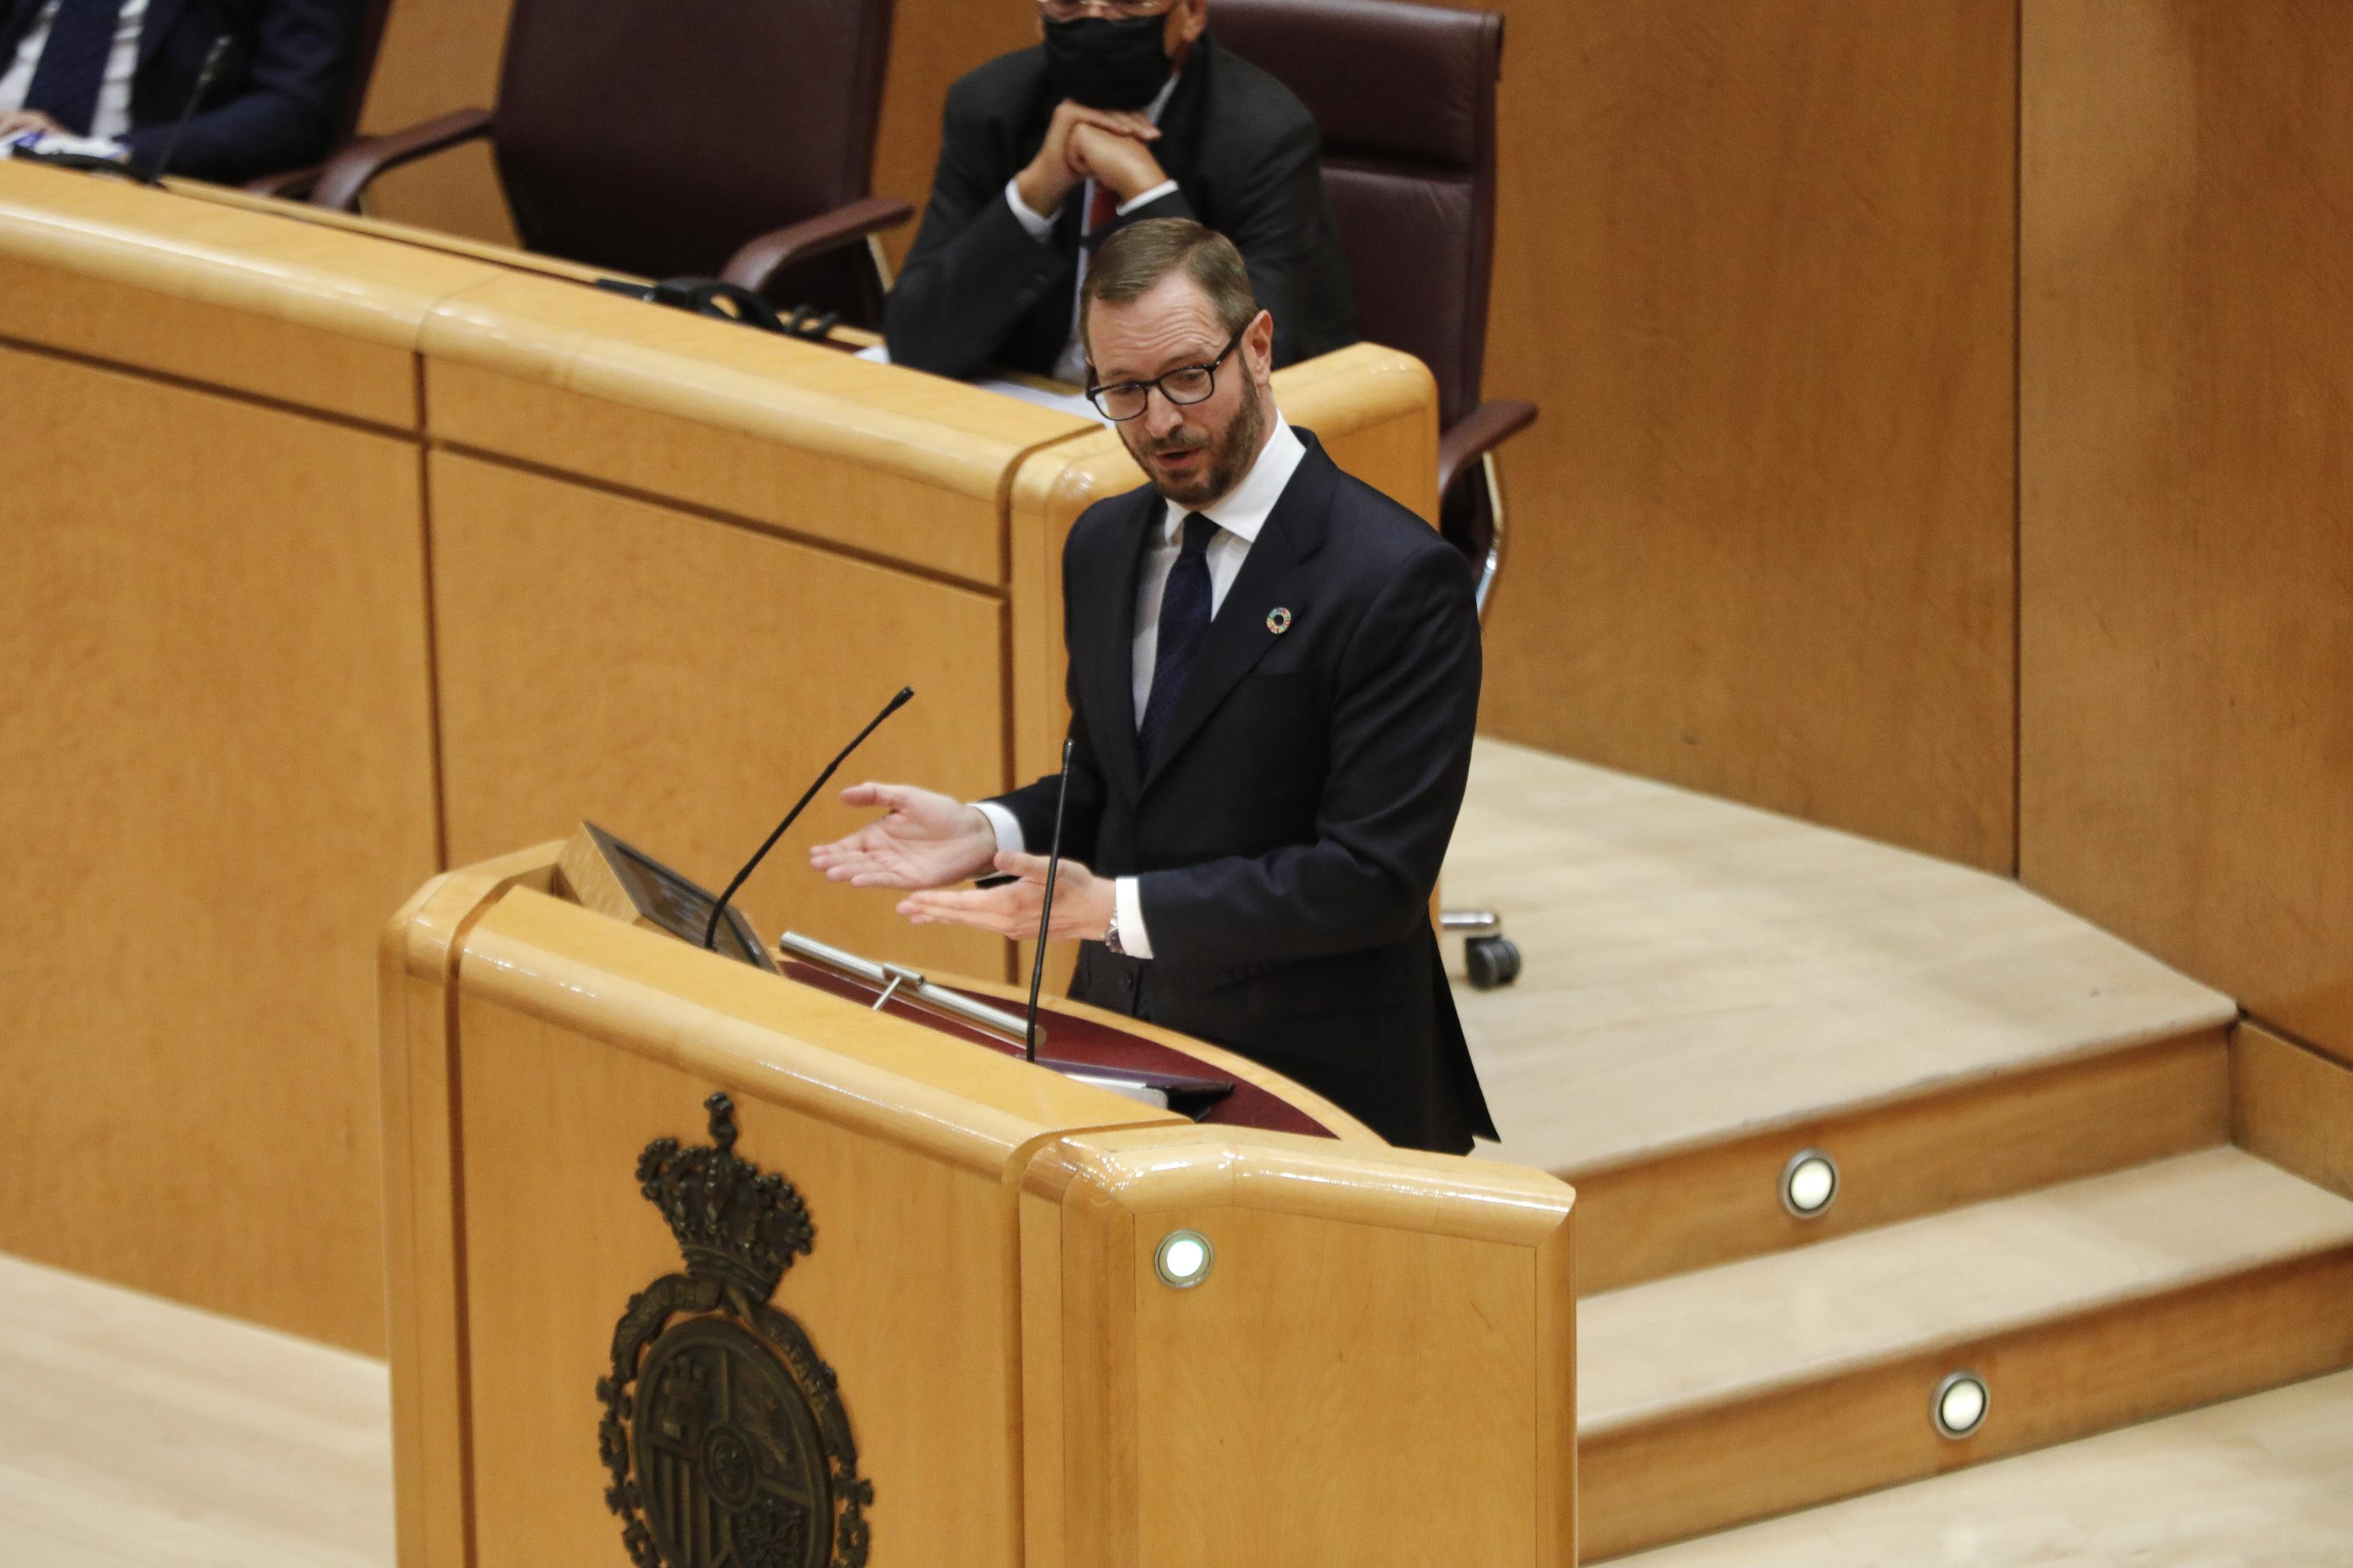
x=276, y=102
x=1288, y=835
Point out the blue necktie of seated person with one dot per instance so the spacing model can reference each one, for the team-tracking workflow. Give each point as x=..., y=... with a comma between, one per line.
x=73, y=62
x=1184, y=617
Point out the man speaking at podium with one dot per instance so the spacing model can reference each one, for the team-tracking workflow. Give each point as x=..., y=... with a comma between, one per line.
x=1273, y=683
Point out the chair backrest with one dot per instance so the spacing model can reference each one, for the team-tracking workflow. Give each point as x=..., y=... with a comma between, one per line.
x=371, y=34
x=656, y=136
x=1406, y=97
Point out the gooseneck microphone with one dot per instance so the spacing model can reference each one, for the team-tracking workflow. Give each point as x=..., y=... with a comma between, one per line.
x=719, y=909
x=205, y=74
x=1046, y=910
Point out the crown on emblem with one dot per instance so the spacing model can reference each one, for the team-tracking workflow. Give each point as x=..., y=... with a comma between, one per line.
x=733, y=1224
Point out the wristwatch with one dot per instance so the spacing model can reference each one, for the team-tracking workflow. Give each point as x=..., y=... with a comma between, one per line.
x=1110, y=935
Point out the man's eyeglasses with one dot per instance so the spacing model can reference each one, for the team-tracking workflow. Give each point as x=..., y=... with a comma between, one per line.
x=1071, y=10
x=1186, y=384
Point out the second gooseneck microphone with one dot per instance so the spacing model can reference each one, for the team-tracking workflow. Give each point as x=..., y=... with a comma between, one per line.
x=1046, y=910
x=719, y=909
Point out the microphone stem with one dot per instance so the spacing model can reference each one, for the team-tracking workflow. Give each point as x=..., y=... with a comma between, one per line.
x=718, y=910
x=1046, y=912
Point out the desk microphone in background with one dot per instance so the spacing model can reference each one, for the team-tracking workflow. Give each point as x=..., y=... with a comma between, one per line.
x=1046, y=912
x=710, y=931
x=214, y=57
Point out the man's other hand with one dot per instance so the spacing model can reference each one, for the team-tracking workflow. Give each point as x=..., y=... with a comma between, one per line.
x=1052, y=175
x=17, y=122
x=927, y=840
x=1083, y=903
x=1119, y=163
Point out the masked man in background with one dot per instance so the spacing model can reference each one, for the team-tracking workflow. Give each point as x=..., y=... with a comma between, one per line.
x=1128, y=110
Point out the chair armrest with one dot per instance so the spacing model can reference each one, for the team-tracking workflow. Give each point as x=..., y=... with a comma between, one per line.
x=756, y=263
x=1478, y=433
x=349, y=173
x=288, y=185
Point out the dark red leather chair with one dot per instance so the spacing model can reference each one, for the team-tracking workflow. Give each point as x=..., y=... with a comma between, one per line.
x=666, y=138
x=1406, y=97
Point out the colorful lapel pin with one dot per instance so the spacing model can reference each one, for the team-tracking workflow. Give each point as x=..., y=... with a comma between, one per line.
x=1278, y=620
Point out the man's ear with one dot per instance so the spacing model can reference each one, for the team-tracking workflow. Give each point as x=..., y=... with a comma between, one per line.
x=1259, y=338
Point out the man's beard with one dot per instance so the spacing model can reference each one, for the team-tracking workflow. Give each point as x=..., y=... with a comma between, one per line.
x=1230, y=453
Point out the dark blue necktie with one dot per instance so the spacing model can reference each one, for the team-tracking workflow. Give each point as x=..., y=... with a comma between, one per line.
x=1184, y=616
x=73, y=63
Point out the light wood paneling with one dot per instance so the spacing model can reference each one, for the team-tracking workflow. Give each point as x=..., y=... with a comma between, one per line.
x=1940, y=1148
x=215, y=771
x=2187, y=607
x=2292, y=1106
x=581, y=666
x=875, y=458
x=1362, y=1314
x=233, y=298
x=1753, y=261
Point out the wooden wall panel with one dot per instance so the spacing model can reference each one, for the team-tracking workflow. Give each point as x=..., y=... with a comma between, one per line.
x=1753, y=261
x=2186, y=618
x=577, y=634
x=216, y=778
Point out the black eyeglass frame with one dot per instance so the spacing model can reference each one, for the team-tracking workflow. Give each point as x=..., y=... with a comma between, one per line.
x=1095, y=392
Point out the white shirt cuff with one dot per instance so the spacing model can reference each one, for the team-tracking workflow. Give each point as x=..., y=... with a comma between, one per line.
x=1141, y=199
x=1008, y=826
x=1127, y=899
x=1040, y=229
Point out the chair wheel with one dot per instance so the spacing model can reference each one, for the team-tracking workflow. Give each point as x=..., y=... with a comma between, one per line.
x=1492, y=961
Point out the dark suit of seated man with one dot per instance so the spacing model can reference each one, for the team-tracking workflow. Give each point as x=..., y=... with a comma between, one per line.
x=1128, y=111
x=1274, y=678
x=123, y=70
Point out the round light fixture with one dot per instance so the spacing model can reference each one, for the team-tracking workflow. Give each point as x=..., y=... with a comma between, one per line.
x=1809, y=1182
x=1183, y=1260
x=1960, y=1405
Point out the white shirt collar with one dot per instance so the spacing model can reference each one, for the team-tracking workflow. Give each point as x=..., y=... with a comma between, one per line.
x=1160, y=100
x=1246, y=507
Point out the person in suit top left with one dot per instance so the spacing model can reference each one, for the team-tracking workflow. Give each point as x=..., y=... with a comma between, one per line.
x=124, y=70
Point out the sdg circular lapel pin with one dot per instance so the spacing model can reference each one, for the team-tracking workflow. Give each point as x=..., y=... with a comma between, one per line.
x=1278, y=620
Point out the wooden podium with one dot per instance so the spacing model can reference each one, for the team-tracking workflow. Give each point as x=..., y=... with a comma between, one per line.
x=694, y=1262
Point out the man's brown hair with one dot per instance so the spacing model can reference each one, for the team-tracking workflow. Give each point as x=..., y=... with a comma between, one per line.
x=1136, y=258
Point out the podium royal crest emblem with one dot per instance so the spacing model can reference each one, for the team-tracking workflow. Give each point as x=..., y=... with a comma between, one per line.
x=724, y=1433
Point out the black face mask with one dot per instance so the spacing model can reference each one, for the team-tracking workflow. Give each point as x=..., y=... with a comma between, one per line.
x=1107, y=63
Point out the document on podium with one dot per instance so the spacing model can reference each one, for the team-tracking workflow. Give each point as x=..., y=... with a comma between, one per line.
x=1045, y=394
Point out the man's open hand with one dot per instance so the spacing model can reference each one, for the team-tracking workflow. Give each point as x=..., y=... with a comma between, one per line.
x=927, y=840
x=1083, y=903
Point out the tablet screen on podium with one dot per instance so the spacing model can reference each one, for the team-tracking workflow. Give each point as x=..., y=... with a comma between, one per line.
x=662, y=898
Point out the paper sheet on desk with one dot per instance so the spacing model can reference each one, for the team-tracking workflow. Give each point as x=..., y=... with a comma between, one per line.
x=1067, y=401
x=45, y=141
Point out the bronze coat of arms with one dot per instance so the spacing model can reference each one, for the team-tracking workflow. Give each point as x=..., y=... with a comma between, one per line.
x=724, y=1433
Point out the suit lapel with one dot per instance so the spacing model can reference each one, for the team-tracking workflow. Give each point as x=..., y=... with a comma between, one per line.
x=16, y=21
x=1274, y=574
x=1110, y=691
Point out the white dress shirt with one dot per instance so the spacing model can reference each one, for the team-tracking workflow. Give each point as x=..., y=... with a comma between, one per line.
x=111, y=119
x=1239, y=516
x=1071, y=363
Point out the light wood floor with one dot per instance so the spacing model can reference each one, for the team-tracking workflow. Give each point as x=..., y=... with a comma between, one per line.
x=138, y=1432
x=2260, y=1483
x=1695, y=966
